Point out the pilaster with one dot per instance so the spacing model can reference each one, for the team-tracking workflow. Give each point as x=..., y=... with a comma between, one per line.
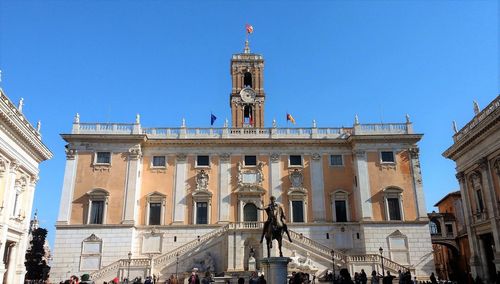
x=64, y=216
x=180, y=188
x=275, y=176
x=489, y=191
x=475, y=265
x=317, y=183
x=224, y=202
x=132, y=185
x=363, y=194
x=417, y=183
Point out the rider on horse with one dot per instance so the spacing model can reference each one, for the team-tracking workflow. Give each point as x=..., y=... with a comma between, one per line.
x=273, y=210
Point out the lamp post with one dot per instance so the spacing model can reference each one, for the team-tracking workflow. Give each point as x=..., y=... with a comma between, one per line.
x=381, y=251
x=129, y=261
x=176, y=265
x=333, y=265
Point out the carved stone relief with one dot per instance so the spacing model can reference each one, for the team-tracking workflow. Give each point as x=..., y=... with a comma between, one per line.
x=296, y=178
x=225, y=157
x=202, y=180
x=275, y=157
x=316, y=156
x=181, y=157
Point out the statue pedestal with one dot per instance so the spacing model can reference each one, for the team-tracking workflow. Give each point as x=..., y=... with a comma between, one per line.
x=275, y=269
x=251, y=264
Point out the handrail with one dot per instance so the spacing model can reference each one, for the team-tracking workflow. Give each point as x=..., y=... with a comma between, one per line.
x=163, y=259
x=322, y=249
x=159, y=259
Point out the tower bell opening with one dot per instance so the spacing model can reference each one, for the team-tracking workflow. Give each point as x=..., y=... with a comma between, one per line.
x=247, y=79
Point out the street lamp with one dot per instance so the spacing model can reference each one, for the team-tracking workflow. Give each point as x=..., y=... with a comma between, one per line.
x=176, y=265
x=333, y=265
x=381, y=251
x=129, y=261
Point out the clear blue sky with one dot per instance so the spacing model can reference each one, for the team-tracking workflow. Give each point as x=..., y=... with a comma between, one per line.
x=325, y=60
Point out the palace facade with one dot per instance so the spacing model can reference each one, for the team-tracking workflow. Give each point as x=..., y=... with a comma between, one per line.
x=21, y=151
x=140, y=201
x=476, y=152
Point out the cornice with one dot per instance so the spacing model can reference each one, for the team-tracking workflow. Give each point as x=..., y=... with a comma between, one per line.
x=408, y=138
x=20, y=129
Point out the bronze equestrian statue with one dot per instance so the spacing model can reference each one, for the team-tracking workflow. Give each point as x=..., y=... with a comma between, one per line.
x=275, y=226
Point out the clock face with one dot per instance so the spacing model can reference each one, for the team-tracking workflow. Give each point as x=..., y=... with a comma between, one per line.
x=247, y=95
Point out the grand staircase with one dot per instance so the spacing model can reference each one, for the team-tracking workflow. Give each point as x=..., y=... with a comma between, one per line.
x=319, y=252
x=341, y=259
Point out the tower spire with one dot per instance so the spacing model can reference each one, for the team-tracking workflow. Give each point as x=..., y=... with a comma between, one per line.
x=247, y=47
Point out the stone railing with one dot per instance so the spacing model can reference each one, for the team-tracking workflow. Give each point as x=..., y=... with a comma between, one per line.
x=375, y=259
x=106, y=270
x=106, y=128
x=383, y=128
x=246, y=225
x=169, y=257
x=159, y=260
x=317, y=247
x=492, y=107
x=242, y=133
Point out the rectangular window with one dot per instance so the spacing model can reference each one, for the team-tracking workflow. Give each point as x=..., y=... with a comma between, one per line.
x=387, y=157
x=159, y=161
x=449, y=229
x=250, y=160
x=340, y=211
x=336, y=160
x=202, y=161
x=97, y=212
x=201, y=213
x=103, y=158
x=298, y=211
x=295, y=160
x=394, y=210
x=154, y=214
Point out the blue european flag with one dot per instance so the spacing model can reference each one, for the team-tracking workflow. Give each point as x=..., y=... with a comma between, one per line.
x=212, y=119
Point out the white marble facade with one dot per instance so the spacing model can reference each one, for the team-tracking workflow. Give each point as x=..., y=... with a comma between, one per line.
x=21, y=151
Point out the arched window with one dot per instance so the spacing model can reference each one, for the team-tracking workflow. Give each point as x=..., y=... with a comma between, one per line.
x=250, y=212
x=247, y=79
x=435, y=227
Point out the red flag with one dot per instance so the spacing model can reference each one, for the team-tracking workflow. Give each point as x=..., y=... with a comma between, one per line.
x=249, y=29
x=251, y=119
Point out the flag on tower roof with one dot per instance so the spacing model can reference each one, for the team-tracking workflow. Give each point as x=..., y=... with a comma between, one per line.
x=249, y=29
x=290, y=118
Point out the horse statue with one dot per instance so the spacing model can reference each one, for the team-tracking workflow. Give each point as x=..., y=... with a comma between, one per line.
x=275, y=226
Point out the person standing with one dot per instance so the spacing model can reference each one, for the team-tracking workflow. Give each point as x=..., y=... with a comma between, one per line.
x=433, y=278
x=362, y=277
x=375, y=277
x=193, y=278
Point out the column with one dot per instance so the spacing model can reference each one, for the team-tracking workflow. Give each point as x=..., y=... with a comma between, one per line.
x=496, y=167
x=11, y=268
x=363, y=194
x=275, y=176
x=224, y=202
x=318, y=195
x=132, y=186
x=491, y=205
x=68, y=187
x=475, y=265
x=417, y=184
x=180, y=188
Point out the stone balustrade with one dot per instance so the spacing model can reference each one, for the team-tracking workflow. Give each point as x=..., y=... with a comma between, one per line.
x=492, y=107
x=242, y=133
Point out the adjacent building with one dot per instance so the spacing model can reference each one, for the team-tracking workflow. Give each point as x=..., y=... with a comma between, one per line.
x=21, y=151
x=449, y=239
x=139, y=201
x=476, y=152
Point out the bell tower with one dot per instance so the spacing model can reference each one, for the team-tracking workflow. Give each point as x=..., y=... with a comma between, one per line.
x=247, y=93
